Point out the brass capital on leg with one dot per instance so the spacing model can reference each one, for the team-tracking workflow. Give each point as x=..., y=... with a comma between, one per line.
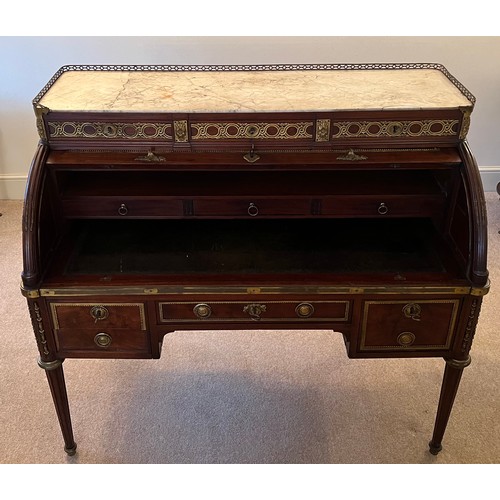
x=49, y=365
x=459, y=363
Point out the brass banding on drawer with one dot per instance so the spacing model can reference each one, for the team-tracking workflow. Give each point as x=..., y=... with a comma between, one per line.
x=247, y=311
x=403, y=324
x=106, y=315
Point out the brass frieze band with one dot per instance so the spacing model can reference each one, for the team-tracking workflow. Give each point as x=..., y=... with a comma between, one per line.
x=413, y=128
x=277, y=131
x=229, y=289
x=109, y=130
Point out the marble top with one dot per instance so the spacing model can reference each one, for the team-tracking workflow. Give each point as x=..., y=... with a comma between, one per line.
x=252, y=91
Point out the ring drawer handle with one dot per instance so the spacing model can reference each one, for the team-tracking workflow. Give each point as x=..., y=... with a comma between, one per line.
x=202, y=311
x=304, y=310
x=406, y=339
x=103, y=340
x=123, y=210
x=252, y=210
x=382, y=209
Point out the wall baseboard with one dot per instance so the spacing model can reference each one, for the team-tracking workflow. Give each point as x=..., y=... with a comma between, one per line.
x=490, y=177
x=12, y=186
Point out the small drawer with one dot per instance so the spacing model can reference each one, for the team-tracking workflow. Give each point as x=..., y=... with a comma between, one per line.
x=90, y=206
x=98, y=315
x=264, y=311
x=382, y=206
x=408, y=325
x=251, y=207
x=101, y=341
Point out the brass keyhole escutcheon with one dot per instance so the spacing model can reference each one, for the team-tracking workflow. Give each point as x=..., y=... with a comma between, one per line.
x=202, y=311
x=255, y=310
x=412, y=311
x=99, y=313
x=406, y=339
x=103, y=339
x=304, y=310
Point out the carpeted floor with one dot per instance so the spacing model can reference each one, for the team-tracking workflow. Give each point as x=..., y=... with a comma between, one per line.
x=243, y=396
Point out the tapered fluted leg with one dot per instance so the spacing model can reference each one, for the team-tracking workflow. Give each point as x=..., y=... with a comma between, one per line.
x=55, y=376
x=451, y=380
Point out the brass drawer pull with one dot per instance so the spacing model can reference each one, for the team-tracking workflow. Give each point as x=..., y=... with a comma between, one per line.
x=103, y=340
x=304, y=310
x=202, y=311
x=99, y=313
x=412, y=311
x=382, y=209
x=252, y=210
x=123, y=210
x=254, y=310
x=406, y=339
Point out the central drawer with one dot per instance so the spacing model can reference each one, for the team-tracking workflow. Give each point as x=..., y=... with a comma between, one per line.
x=252, y=207
x=264, y=311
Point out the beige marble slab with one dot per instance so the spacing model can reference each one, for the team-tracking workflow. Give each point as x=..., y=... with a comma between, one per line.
x=252, y=91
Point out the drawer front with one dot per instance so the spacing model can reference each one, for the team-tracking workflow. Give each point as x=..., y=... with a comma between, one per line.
x=383, y=206
x=103, y=342
x=251, y=207
x=122, y=207
x=264, y=311
x=100, y=316
x=408, y=325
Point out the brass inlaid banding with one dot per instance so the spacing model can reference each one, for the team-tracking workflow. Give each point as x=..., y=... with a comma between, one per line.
x=234, y=130
x=104, y=130
x=415, y=128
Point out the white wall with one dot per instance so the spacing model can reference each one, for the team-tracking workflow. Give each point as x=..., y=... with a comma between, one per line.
x=27, y=63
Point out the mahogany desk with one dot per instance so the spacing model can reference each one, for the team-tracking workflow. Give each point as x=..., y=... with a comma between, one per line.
x=166, y=198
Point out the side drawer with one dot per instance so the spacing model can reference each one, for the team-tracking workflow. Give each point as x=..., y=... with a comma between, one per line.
x=101, y=330
x=264, y=311
x=383, y=206
x=408, y=325
x=94, y=206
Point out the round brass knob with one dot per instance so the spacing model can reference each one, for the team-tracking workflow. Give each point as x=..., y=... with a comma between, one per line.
x=103, y=339
x=99, y=313
x=304, y=310
x=123, y=210
x=252, y=210
x=406, y=339
x=202, y=311
x=382, y=209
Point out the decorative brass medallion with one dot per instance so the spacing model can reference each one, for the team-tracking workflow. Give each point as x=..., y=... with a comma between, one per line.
x=181, y=130
x=322, y=130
